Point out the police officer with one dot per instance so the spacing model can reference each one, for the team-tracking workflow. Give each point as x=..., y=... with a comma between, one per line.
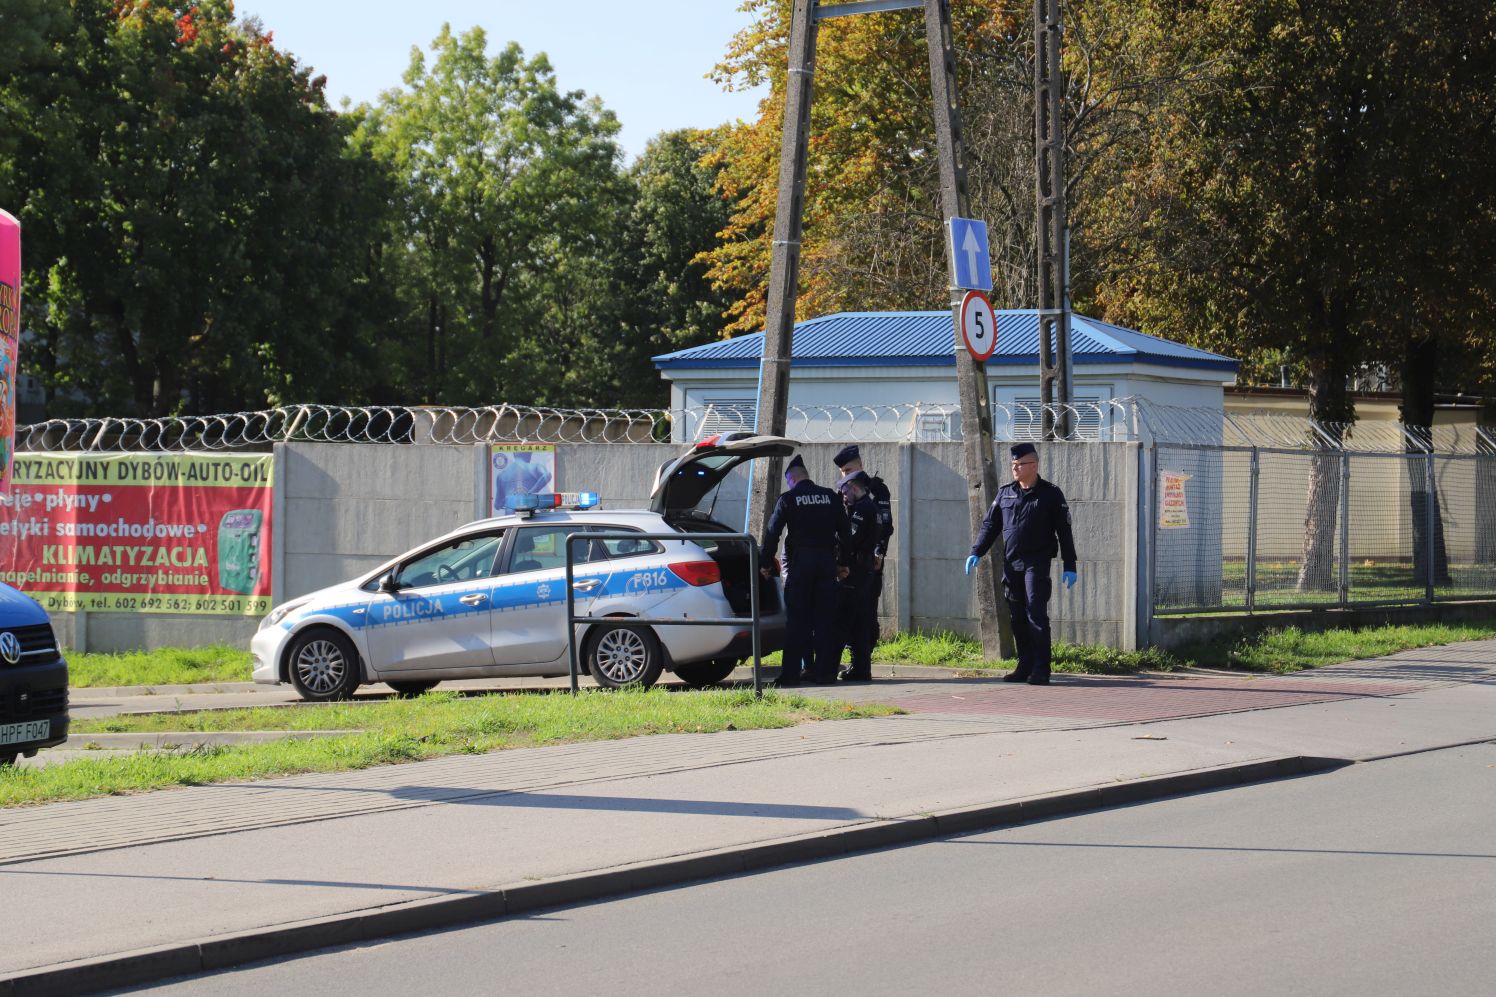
x=848, y=460
x=1034, y=520
x=817, y=524
x=858, y=598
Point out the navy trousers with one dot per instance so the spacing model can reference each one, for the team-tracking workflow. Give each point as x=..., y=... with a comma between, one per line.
x=1027, y=587
x=810, y=615
x=858, y=611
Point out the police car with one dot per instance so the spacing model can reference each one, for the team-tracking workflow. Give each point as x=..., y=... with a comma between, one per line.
x=489, y=599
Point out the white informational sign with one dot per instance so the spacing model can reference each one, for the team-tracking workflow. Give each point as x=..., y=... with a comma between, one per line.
x=970, y=257
x=978, y=326
x=519, y=469
x=1173, y=507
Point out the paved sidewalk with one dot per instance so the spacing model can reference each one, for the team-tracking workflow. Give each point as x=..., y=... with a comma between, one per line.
x=254, y=865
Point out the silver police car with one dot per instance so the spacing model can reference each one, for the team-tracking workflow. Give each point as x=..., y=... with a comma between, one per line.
x=489, y=599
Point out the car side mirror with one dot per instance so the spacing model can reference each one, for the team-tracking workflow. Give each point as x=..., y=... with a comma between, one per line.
x=389, y=583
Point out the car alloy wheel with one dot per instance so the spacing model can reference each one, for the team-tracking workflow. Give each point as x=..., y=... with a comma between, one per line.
x=623, y=655
x=321, y=666
x=324, y=666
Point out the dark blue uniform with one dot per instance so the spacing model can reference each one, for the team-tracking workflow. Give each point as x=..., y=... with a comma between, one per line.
x=817, y=524
x=1034, y=525
x=858, y=602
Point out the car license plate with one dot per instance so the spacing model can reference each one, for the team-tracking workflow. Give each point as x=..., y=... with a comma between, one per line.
x=27, y=730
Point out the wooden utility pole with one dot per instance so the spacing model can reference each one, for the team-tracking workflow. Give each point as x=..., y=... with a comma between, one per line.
x=779, y=323
x=1054, y=262
x=784, y=267
x=971, y=377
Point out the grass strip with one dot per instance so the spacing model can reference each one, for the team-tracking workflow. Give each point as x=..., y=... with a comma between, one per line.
x=167, y=666
x=1292, y=649
x=1289, y=649
x=390, y=731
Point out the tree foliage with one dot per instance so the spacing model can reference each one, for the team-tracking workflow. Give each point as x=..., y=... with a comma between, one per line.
x=192, y=223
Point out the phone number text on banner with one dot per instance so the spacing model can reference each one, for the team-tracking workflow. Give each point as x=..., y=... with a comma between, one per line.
x=139, y=533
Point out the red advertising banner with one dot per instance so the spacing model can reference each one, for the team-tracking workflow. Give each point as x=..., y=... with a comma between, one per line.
x=10, y=338
x=140, y=533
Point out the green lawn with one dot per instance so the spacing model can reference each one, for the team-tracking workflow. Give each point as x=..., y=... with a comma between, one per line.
x=1371, y=580
x=389, y=731
x=167, y=666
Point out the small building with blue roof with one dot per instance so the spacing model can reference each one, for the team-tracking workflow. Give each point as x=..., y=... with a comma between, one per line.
x=907, y=358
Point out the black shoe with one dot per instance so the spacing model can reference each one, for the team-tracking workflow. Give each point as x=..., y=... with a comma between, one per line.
x=851, y=676
x=1038, y=680
x=819, y=680
x=787, y=681
x=1016, y=676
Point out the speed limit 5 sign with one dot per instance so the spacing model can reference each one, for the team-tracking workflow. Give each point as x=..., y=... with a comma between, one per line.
x=978, y=326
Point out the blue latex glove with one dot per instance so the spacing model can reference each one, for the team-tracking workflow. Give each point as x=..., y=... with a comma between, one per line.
x=971, y=562
x=1069, y=579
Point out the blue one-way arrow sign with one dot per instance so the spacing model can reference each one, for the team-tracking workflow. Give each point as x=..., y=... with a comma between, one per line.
x=969, y=254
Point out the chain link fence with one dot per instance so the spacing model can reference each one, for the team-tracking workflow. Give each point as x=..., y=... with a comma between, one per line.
x=1252, y=528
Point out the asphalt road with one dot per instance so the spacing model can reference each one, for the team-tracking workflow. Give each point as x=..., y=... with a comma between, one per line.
x=1378, y=878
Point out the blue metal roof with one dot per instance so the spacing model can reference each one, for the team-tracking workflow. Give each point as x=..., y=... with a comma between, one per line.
x=925, y=339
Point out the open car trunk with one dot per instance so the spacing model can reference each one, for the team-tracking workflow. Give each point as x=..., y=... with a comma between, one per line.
x=732, y=557
x=683, y=482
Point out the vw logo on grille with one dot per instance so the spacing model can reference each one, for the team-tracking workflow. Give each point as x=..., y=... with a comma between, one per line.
x=10, y=648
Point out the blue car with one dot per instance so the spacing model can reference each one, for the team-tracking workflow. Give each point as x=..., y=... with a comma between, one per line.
x=33, y=679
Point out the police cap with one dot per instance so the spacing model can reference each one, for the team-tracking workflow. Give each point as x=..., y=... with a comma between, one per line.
x=846, y=455
x=1022, y=450
x=858, y=476
x=795, y=461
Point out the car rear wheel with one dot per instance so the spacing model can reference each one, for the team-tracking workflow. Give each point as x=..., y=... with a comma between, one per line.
x=7, y=759
x=410, y=690
x=620, y=655
x=324, y=666
x=700, y=674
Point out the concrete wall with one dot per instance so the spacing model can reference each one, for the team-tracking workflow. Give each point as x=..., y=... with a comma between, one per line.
x=340, y=509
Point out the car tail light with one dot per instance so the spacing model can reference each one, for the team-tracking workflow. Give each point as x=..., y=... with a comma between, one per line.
x=697, y=572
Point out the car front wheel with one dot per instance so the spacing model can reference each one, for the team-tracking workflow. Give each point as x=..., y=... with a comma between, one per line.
x=324, y=666
x=620, y=655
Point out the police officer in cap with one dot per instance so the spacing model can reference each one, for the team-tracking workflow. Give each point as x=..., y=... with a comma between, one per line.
x=858, y=602
x=817, y=524
x=849, y=461
x=1034, y=520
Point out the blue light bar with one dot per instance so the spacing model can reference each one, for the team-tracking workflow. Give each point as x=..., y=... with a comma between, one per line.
x=552, y=500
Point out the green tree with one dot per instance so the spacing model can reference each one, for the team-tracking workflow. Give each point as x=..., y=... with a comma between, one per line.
x=1286, y=204
x=507, y=182
x=198, y=234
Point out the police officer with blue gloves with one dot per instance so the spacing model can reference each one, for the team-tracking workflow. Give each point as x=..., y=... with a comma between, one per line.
x=1034, y=520
x=817, y=524
x=860, y=582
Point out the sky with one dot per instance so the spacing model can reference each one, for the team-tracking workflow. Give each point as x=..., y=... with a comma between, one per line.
x=647, y=60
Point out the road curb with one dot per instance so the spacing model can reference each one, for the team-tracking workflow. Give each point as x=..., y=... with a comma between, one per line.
x=222, y=951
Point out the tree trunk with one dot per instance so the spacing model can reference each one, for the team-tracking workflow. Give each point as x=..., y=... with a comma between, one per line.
x=1330, y=405
x=1485, y=496
x=1420, y=366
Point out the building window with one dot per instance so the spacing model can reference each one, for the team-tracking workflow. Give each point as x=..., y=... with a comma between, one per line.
x=727, y=415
